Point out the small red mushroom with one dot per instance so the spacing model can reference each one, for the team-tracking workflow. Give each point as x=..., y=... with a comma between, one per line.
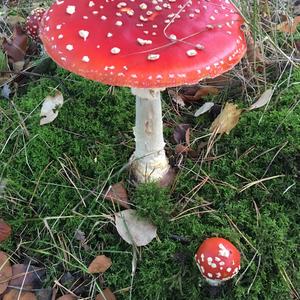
x=32, y=25
x=218, y=260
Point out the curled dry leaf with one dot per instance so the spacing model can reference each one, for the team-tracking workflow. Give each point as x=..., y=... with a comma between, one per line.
x=289, y=26
x=107, y=295
x=227, y=119
x=67, y=297
x=27, y=276
x=50, y=108
x=117, y=194
x=14, y=294
x=5, y=272
x=263, y=100
x=134, y=229
x=5, y=230
x=100, y=264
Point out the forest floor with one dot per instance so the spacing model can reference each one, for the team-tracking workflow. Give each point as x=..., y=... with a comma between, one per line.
x=243, y=186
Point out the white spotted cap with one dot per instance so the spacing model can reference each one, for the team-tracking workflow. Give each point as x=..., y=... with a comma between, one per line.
x=144, y=44
x=218, y=260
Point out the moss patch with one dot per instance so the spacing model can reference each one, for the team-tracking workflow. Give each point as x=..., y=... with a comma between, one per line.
x=56, y=177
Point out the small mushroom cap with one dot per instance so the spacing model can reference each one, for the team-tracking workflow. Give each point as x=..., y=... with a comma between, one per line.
x=218, y=259
x=33, y=22
x=144, y=44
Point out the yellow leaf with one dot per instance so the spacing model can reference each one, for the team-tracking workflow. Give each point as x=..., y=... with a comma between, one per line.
x=227, y=119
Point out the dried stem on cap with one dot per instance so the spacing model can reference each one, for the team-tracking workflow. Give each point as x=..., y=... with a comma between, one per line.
x=148, y=45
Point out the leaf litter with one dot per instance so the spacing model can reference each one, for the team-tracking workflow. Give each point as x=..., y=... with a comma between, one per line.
x=50, y=108
x=100, y=264
x=133, y=229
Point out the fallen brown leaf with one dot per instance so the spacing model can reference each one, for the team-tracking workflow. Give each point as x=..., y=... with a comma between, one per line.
x=227, y=119
x=27, y=276
x=100, y=264
x=289, y=26
x=67, y=297
x=181, y=133
x=109, y=295
x=5, y=230
x=201, y=92
x=16, y=48
x=254, y=52
x=14, y=294
x=117, y=194
x=180, y=149
x=5, y=272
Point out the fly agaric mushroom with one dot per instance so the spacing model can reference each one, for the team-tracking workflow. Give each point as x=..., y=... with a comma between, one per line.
x=218, y=260
x=32, y=24
x=146, y=45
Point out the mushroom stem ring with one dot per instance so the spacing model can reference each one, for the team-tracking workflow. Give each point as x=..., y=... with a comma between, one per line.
x=149, y=161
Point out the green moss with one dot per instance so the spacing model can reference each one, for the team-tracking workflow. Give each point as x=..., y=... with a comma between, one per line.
x=57, y=175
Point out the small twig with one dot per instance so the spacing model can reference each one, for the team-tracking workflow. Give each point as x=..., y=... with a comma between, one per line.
x=256, y=273
x=257, y=182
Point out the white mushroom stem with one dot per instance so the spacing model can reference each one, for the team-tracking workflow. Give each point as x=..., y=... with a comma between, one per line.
x=149, y=161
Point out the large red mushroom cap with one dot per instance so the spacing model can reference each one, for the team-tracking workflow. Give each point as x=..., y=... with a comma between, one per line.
x=33, y=21
x=144, y=44
x=218, y=260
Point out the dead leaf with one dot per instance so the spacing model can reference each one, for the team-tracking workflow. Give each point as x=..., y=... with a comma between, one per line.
x=118, y=194
x=5, y=230
x=109, y=295
x=100, y=264
x=180, y=149
x=134, y=229
x=254, y=53
x=44, y=294
x=14, y=294
x=204, y=108
x=16, y=48
x=227, y=119
x=180, y=132
x=80, y=236
x=5, y=91
x=201, y=92
x=5, y=271
x=176, y=97
x=27, y=276
x=50, y=108
x=67, y=297
x=289, y=26
x=263, y=99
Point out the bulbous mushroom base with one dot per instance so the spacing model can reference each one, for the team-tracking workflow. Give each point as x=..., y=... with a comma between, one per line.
x=151, y=168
